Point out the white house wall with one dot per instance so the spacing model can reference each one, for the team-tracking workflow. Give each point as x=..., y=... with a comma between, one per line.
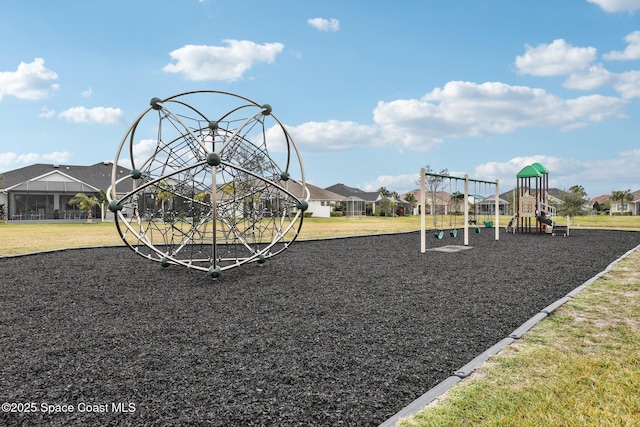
x=319, y=211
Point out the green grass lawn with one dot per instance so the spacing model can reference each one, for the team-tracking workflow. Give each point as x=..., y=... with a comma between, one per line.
x=24, y=237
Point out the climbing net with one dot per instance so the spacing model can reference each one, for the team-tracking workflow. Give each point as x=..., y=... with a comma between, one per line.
x=209, y=190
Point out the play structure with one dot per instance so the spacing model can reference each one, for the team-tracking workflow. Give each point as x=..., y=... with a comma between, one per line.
x=533, y=211
x=216, y=182
x=446, y=203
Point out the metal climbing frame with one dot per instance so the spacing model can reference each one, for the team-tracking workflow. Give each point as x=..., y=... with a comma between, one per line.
x=213, y=188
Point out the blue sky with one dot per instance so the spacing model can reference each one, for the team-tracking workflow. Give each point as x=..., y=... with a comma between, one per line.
x=370, y=91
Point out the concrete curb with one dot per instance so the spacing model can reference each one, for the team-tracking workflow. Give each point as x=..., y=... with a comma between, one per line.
x=476, y=362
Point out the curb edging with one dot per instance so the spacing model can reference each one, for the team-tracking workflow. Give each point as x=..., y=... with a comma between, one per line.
x=442, y=387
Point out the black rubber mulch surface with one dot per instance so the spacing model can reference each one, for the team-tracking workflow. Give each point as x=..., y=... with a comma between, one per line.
x=337, y=332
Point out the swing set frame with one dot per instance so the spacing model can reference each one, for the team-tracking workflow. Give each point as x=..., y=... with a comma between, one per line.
x=467, y=180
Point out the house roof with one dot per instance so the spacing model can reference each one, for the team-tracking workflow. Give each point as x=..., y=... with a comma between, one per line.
x=97, y=176
x=345, y=190
x=316, y=193
x=600, y=199
x=367, y=196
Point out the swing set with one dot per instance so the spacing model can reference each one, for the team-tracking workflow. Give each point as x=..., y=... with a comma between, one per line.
x=452, y=206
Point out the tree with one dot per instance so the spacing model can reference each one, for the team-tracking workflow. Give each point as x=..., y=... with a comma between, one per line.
x=85, y=203
x=579, y=190
x=102, y=198
x=622, y=197
x=392, y=205
x=164, y=194
x=572, y=204
x=411, y=199
x=384, y=191
x=433, y=184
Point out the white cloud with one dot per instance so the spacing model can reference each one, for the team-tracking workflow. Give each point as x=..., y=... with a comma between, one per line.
x=590, y=78
x=226, y=63
x=463, y=109
x=87, y=93
x=333, y=135
x=7, y=159
x=565, y=172
x=506, y=171
x=399, y=183
x=632, y=51
x=143, y=150
x=613, y=6
x=57, y=157
x=12, y=160
x=321, y=24
x=29, y=81
x=628, y=84
x=99, y=115
x=459, y=110
x=47, y=113
x=557, y=58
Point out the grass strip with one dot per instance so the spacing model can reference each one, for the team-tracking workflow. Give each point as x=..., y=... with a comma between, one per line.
x=580, y=366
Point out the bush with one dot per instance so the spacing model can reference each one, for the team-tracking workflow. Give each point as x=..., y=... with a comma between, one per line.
x=308, y=214
x=335, y=214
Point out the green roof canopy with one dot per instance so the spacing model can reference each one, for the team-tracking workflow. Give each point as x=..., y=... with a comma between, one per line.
x=528, y=172
x=533, y=171
x=540, y=168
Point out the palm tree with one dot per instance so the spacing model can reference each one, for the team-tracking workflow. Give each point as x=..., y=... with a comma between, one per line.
x=392, y=205
x=621, y=196
x=579, y=190
x=102, y=198
x=384, y=191
x=164, y=194
x=411, y=199
x=85, y=203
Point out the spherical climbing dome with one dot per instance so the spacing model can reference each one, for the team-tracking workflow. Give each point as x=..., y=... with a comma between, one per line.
x=223, y=184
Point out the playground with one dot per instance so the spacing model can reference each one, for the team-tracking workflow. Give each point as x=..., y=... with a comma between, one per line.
x=344, y=331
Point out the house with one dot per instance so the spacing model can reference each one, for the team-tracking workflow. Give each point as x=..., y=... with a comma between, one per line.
x=359, y=202
x=601, y=203
x=440, y=203
x=321, y=201
x=42, y=191
x=628, y=207
x=487, y=206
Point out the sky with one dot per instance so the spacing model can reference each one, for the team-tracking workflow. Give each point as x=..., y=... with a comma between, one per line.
x=370, y=91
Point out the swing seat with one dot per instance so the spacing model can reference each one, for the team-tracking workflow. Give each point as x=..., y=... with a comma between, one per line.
x=478, y=230
x=439, y=234
x=488, y=224
x=453, y=233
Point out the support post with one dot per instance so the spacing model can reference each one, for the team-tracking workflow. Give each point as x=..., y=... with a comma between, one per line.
x=497, y=208
x=423, y=236
x=466, y=210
